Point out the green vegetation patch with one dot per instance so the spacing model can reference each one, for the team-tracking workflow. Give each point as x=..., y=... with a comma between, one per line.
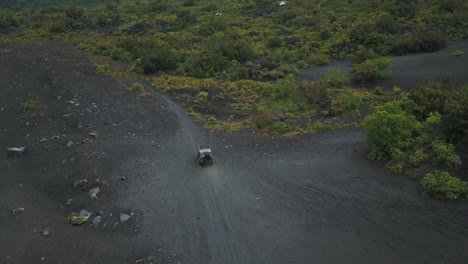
x=458, y=53
x=101, y=68
x=442, y=185
x=424, y=131
x=32, y=105
x=138, y=89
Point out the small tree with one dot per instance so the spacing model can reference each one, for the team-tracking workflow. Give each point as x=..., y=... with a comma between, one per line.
x=389, y=130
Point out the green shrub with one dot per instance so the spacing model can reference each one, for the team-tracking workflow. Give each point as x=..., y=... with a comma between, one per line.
x=434, y=118
x=120, y=54
x=397, y=162
x=157, y=56
x=396, y=90
x=201, y=97
x=379, y=90
x=274, y=42
x=433, y=96
x=347, y=104
x=419, y=41
x=443, y=152
x=263, y=121
x=138, y=89
x=58, y=27
x=101, y=68
x=212, y=121
x=371, y=70
x=203, y=64
x=319, y=59
x=317, y=93
x=32, y=105
x=418, y=157
x=337, y=79
x=362, y=54
x=442, y=185
x=458, y=53
x=192, y=112
x=136, y=66
x=395, y=166
x=389, y=130
x=281, y=127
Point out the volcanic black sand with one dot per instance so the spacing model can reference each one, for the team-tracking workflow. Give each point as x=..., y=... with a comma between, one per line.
x=313, y=199
x=411, y=70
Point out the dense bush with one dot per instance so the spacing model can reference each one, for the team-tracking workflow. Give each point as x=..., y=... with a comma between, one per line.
x=431, y=96
x=201, y=97
x=316, y=93
x=389, y=130
x=202, y=64
x=362, y=54
x=347, y=104
x=319, y=59
x=371, y=70
x=101, y=68
x=418, y=157
x=281, y=127
x=443, y=152
x=458, y=53
x=365, y=34
x=419, y=41
x=455, y=120
x=157, y=56
x=337, y=79
x=441, y=184
x=212, y=121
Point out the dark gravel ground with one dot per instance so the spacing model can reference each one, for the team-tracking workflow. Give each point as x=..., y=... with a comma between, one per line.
x=410, y=70
x=313, y=199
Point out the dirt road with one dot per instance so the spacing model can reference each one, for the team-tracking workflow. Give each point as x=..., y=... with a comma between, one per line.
x=313, y=199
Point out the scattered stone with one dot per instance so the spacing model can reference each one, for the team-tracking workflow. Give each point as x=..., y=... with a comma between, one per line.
x=125, y=217
x=70, y=143
x=81, y=218
x=123, y=178
x=17, y=211
x=93, y=134
x=45, y=232
x=68, y=202
x=71, y=102
x=54, y=137
x=94, y=192
x=97, y=220
x=43, y=140
x=16, y=151
x=82, y=184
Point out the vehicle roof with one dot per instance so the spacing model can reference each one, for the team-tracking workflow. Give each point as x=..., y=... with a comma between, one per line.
x=204, y=149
